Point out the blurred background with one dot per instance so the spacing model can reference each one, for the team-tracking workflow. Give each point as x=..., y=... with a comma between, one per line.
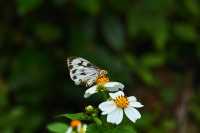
x=152, y=46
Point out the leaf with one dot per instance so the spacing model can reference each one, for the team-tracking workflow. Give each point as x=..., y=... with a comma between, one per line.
x=131, y=61
x=97, y=120
x=113, y=32
x=89, y=6
x=109, y=128
x=120, y=5
x=160, y=33
x=4, y=100
x=147, y=76
x=186, y=32
x=77, y=116
x=124, y=129
x=151, y=20
x=192, y=6
x=153, y=60
x=25, y=6
x=57, y=127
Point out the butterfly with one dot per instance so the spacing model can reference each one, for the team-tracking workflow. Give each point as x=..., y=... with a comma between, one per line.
x=83, y=72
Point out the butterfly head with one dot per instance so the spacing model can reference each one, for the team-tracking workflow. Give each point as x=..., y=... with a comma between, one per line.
x=103, y=73
x=102, y=78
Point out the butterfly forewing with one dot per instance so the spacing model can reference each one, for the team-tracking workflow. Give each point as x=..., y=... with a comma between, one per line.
x=82, y=71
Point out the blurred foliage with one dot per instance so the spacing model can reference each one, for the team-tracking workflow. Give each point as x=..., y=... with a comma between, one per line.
x=152, y=46
x=57, y=127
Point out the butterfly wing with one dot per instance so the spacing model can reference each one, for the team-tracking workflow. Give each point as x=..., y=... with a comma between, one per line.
x=82, y=71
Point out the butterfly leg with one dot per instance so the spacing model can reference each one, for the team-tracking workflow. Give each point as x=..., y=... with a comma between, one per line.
x=78, y=81
x=90, y=82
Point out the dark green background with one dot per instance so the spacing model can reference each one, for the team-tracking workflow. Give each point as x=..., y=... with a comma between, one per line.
x=152, y=46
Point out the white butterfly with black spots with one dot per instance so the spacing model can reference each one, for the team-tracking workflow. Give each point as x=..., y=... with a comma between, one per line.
x=84, y=72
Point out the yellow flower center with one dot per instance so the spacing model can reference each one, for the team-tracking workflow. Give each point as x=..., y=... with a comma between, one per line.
x=102, y=80
x=121, y=101
x=75, y=123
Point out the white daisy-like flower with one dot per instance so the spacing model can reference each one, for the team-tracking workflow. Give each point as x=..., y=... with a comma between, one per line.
x=120, y=103
x=82, y=128
x=103, y=84
x=78, y=126
x=109, y=86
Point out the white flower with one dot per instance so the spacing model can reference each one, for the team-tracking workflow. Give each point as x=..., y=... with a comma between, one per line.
x=108, y=86
x=82, y=128
x=114, y=108
x=76, y=124
x=69, y=130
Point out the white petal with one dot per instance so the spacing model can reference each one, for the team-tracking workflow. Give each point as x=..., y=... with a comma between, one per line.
x=107, y=107
x=116, y=94
x=79, y=128
x=135, y=104
x=116, y=116
x=114, y=86
x=84, y=128
x=104, y=113
x=132, y=114
x=132, y=99
x=92, y=90
x=69, y=130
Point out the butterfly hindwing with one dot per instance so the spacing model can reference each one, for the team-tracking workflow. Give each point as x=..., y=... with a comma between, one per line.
x=82, y=71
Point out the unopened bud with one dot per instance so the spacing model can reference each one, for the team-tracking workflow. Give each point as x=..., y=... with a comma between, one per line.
x=90, y=109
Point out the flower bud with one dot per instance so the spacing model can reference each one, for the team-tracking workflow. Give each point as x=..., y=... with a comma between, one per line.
x=90, y=109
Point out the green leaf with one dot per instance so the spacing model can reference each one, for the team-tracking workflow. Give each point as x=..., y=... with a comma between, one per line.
x=160, y=32
x=153, y=60
x=57, y=127
x=192, y=6
x=77, y=116
x=109, y=128
x=90, y=6
x=155, y=26
x=131, y=61
x=186, y=32
x=97, y=120
x=147, y=76
x=4, y=99
x=25, y=6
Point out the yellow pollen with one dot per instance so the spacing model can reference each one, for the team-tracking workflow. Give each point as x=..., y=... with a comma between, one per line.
x=121, y=101
x=75, y=123
x=102, y=80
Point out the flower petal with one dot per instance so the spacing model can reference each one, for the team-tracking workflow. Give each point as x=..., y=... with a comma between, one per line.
x=132, y=99
x=116, y=116
x=92, y=90
x=135, y=104
x=107, y=107
x=132, y=114
x=114, y=86
x=84, y=128
x=116, y=94
x=104, y=113
x=69, y=130
x=79, y=128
